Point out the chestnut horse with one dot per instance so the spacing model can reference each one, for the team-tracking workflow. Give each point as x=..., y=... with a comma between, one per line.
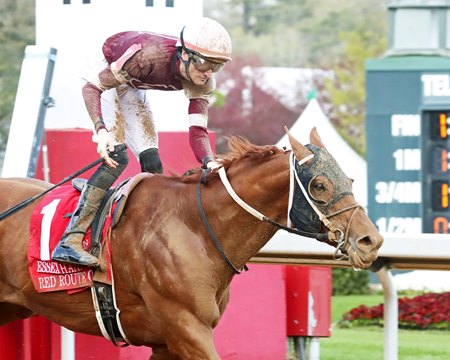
x=171, y=280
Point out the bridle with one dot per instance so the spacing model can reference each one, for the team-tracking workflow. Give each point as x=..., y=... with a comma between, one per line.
x=343, y=237
x=334, y=234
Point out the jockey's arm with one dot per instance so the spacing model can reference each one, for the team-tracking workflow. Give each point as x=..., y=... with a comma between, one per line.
x=198, y=125
x=200, y=145
x=199, y=97
x=92, y=92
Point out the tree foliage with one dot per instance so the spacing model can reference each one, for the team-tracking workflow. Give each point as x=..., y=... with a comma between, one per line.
x=296, y=33
x=327, y=34
x=247, y=110
x=347, y=89
x=16, y=31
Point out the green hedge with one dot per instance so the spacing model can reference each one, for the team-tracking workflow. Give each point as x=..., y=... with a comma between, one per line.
x=350, y=282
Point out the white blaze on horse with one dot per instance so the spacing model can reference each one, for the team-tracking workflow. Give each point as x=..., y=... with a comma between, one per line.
x=181, y=240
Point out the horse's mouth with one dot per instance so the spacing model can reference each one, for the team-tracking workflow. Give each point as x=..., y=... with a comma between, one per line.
x=361, y=256
x=357, y=261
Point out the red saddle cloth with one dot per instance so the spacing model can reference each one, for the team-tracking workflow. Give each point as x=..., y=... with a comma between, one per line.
x=48, y=222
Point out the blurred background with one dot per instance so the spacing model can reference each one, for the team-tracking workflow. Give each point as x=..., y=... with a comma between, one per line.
x=330, y=38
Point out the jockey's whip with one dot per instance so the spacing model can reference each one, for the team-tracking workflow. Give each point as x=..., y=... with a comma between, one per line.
x=28, y=201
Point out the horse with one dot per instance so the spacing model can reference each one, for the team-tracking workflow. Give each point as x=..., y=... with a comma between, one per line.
x=173, y=264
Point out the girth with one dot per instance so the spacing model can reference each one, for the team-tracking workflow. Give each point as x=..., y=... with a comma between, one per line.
x=103, y=294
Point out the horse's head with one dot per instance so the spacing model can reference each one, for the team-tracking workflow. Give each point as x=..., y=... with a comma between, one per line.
x=324, y=203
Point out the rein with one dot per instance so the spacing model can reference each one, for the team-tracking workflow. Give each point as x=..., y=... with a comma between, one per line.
x=211, y=232
x=344, y=238
x=29, y=200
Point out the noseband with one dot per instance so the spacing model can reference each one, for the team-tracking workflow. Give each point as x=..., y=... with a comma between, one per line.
x=344, y=238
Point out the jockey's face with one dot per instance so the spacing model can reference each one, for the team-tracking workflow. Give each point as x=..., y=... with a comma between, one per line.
x=200, y=69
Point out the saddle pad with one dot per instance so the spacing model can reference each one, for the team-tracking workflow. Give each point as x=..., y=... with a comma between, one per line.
x=47, y=225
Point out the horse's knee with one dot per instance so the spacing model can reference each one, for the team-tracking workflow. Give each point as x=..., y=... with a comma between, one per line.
x=195, y=344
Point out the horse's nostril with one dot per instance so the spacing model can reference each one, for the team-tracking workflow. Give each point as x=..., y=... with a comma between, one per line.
x=365, y=241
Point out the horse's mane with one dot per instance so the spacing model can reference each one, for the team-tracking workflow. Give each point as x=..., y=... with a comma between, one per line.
x=239, y=148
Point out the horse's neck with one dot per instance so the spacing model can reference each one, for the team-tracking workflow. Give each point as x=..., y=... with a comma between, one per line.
x=160, y=207
x=265, y=189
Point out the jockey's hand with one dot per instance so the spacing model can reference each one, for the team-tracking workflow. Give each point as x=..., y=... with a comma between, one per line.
x=209, y=163
x=105, y=143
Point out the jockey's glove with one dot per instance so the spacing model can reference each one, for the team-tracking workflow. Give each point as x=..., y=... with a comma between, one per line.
x=104, y=142
x=210, y=164
x=213, y=165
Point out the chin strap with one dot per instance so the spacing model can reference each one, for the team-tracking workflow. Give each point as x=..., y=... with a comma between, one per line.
x=186, y=64
x=183, y=48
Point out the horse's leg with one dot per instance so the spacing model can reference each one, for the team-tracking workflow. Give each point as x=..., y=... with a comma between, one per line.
x=193, y=341
x=10, y=312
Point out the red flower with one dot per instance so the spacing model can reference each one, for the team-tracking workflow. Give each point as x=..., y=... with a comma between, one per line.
x=430, y=310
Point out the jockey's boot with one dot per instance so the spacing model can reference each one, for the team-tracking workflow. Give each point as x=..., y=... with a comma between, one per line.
x=70, y=247
x=150, y=161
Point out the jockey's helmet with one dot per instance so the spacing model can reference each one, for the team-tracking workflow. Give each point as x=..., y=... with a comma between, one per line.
x=206, y=38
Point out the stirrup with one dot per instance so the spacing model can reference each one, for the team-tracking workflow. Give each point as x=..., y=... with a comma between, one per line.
x=69, y=255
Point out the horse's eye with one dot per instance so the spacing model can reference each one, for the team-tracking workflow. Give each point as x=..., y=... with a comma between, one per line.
x=319, y=187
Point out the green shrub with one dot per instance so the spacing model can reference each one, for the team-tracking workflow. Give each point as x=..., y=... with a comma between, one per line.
x=350, y=282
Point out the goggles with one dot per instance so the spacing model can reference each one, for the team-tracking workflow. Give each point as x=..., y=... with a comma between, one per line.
x=202, y=64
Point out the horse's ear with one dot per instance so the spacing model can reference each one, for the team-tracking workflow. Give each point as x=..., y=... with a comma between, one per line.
x=299, y=150
x=315, y=139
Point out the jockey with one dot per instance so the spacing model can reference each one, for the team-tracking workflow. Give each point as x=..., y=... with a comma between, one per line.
x=135, y=62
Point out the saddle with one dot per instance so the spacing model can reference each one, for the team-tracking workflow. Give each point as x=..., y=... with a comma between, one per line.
x=114, y=201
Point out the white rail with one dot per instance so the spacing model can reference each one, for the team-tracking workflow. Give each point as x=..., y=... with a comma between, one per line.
x=390, y=315
x=400, y=251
